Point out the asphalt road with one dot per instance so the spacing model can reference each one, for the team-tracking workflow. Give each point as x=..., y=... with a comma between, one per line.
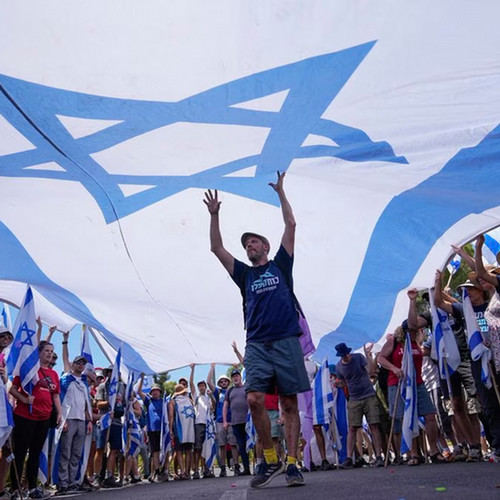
x=474, y=481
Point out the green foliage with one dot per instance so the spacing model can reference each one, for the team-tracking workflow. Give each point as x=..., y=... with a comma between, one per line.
x=236, y=366
x=169, y=387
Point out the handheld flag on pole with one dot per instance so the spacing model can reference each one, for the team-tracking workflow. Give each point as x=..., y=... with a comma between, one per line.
x=43, y=463
x=454, y=264
x=105, y=420
x=444, y=345
x=339, y=421
x=250, y=432
x=409, y=394
x=209, y=450
x=322, y=395
x=165, y=438
x=478, y=350
x=86, y=351
x=23, y=359
x=134, y=434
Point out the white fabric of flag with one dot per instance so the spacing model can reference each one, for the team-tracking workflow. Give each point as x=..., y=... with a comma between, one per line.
x=409, y=395
x=134, y=434
x=322, y=395
x=56, y=448
x=23, y=359
x=5, y=317
x=335, y=98
x=444, y=348
x=251, y=435
x=6, y=416
x=86, y=350
x=209, y=449
x=105, y=420
x=478, y=351
x=165, y=437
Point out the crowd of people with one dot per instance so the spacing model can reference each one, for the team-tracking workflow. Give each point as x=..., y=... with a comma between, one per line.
x=251, y=415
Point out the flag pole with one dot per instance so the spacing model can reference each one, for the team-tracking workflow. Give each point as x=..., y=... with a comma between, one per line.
x=389, y=442
x=19, y=487
x=494, y=382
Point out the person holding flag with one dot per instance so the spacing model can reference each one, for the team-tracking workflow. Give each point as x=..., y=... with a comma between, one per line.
x=465, y=415
x=34, y=403
x=391, y=358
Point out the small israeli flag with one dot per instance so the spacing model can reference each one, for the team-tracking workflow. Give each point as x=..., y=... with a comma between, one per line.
x=86, y=351
x=6, y=416
x=250, y=432
x=209, y=450
x=43, y=463
x=5, y=318
x=409, y=394
x=478, y=350
x=454, y=264
x=165, y=438
x=491, y=249
x=322, y=395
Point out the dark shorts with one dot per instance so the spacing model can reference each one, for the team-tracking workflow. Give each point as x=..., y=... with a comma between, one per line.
x=277, y=363
x=115, y=437
x=199, y=436
x=154, y=440
x=463, y=375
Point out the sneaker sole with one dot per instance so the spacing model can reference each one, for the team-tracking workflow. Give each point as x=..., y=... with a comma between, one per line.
x=277, y=472
x=296, y=482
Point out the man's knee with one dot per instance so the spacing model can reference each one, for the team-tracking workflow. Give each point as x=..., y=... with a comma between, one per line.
x=289, y=405
x=255, y=401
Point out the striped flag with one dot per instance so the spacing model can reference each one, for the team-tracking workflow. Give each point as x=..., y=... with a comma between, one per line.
x=86, y=351
x=491, y=248
x=250, y=432
x=322, y=395
x=478, y=350
x=165, y=438
x=6, y=417
x=134, y=433
x=84, y=459
x=209, y=450
x=339, y=421
x=23, y=359
x=409, y=394
x=444, y=347
x=56, y=449
x=105, y=421
x=43, y=463
x=5, y=318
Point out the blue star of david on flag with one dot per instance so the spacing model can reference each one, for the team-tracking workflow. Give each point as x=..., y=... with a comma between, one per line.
x=28, y=339
x=311, y=85
x=188, y=411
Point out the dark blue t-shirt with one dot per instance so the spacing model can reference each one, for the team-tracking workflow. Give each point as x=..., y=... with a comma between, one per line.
x=270, y=309
x=220, y=395
x=356, y=377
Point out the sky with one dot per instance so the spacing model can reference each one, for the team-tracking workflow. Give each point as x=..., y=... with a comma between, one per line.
x=100, y=360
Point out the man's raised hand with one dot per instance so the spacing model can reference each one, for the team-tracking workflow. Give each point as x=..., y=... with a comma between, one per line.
x=212, y=201
x=279, y=185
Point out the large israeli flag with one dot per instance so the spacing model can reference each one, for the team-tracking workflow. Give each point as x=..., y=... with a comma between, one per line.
x=491, y=249
x=86, y=350
x=165, y=436
x=376, y=128
x=209, y=450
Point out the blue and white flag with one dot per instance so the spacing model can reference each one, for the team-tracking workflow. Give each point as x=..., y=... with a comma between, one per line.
x=165, y=437
x=339, y=421
x=133, y=446
x=86, y=351
x=491, y=248
x=115, y=380
x=250, y=432
x=454, y=264
x=43, y=462
x=23, y=359
x=444, y=347
x=146, y=384
x=6, y=417
x=5, y=317
x=478, y=350
x=130, y=386
x=56, y=448
x=84, y=459
x=209, y=449
x=409, y=395
x=322, y=395
x=105, y=421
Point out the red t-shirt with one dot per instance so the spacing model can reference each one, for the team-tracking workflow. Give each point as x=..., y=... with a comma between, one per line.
x=396, y=358
x=271, y=401
x=42, y=405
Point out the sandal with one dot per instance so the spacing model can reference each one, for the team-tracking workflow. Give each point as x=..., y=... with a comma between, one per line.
x=413, y=461
x=437, y=458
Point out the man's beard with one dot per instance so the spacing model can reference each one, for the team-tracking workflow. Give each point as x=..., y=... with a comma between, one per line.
x=255, y=256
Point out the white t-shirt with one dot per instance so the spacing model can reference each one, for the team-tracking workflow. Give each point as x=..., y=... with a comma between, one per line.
x=76, y=399
x=203, y=405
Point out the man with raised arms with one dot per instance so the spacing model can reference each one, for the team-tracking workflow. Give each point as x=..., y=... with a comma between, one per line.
x=273, y=356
